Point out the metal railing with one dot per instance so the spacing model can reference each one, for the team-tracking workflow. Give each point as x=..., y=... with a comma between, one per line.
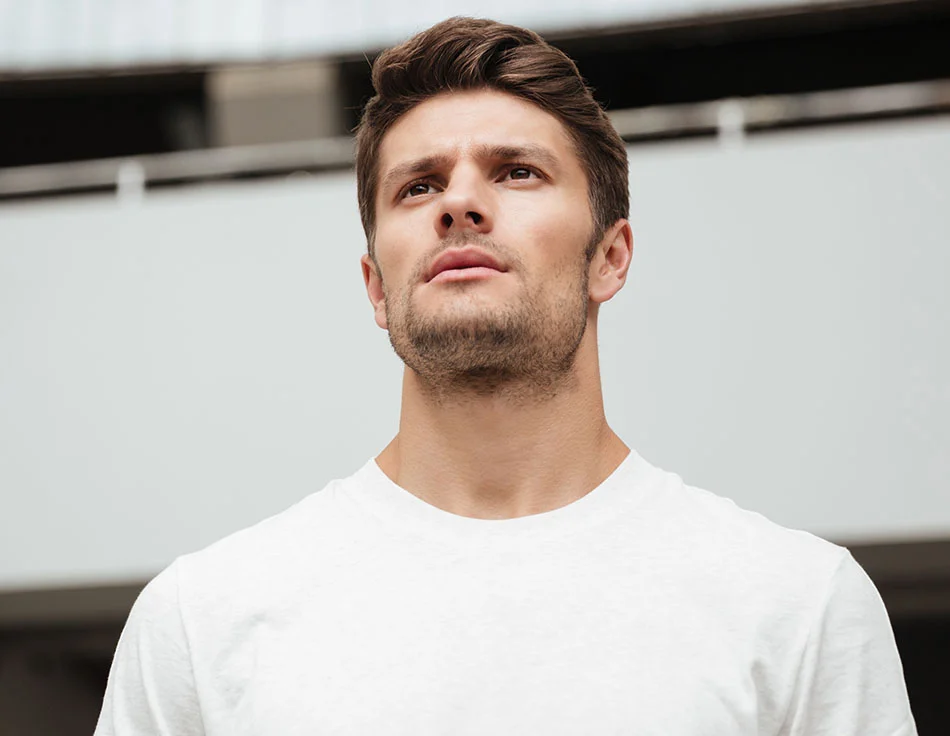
x=731, y=120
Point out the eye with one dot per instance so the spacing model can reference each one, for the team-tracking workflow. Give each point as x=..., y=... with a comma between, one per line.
x=417, y=188
x=521, y=172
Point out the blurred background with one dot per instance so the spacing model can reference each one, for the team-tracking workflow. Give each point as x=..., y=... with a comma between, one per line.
x=186, y=347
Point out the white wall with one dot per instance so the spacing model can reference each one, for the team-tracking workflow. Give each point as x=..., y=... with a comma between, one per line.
x=43, y=34
x=173, y=371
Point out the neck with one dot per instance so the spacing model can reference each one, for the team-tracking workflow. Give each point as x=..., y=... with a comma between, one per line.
x=508, y=453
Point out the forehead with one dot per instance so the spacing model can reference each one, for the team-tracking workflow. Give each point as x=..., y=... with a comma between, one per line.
x=454, y=123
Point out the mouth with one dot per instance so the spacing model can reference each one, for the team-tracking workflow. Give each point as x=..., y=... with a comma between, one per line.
x=463, y=264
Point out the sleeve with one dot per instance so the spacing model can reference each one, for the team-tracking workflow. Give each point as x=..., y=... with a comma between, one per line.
x=850, y=682
x=151, y=686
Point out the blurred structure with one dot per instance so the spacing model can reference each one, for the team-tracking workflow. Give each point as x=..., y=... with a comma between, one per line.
x=177, y=216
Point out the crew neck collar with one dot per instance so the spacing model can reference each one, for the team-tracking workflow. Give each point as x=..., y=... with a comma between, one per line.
x=397, y=507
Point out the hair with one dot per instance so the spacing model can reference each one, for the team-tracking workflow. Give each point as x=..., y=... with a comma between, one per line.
x=463, y=54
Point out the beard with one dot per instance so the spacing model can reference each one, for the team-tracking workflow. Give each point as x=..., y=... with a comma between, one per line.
x=524, y=348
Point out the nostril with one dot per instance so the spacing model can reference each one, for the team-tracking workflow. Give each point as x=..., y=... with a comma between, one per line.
x=446, y=220
x=476, y=218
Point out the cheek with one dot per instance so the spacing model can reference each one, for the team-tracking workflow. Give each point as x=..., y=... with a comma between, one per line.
x=565, y=215
x=561, y=240
x=394, y=257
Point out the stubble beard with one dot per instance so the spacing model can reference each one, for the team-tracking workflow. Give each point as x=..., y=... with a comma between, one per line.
x=523, y=351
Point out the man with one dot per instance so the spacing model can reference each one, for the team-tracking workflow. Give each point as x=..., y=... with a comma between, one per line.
x=506, y=565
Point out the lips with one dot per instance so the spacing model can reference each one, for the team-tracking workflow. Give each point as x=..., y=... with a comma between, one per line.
x=460, y=258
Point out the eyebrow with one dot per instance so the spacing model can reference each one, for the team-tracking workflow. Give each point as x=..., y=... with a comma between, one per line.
x=527, y=152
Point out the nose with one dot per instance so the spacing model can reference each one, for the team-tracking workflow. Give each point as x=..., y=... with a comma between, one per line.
x=465, y=205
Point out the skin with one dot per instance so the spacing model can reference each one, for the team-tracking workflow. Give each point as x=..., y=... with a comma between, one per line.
x=494, y=428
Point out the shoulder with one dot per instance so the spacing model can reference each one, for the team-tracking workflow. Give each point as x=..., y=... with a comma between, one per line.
x=732, y=551
x=810, y=620
x=725, y=528
x=249, y=568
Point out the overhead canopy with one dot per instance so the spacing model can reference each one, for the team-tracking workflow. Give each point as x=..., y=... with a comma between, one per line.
x=46, y=35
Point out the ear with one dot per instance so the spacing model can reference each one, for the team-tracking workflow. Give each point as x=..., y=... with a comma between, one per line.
x=611, y=261
x=374, y=289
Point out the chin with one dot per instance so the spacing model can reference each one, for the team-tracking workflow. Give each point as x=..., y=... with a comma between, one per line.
x=462, y=312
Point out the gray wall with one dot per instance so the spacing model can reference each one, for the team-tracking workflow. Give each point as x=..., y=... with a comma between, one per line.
x=173, y=370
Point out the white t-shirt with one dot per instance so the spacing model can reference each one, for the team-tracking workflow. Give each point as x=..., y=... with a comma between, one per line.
x=647, y=607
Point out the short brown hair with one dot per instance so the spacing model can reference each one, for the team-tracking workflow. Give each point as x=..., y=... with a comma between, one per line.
x=469, y=54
